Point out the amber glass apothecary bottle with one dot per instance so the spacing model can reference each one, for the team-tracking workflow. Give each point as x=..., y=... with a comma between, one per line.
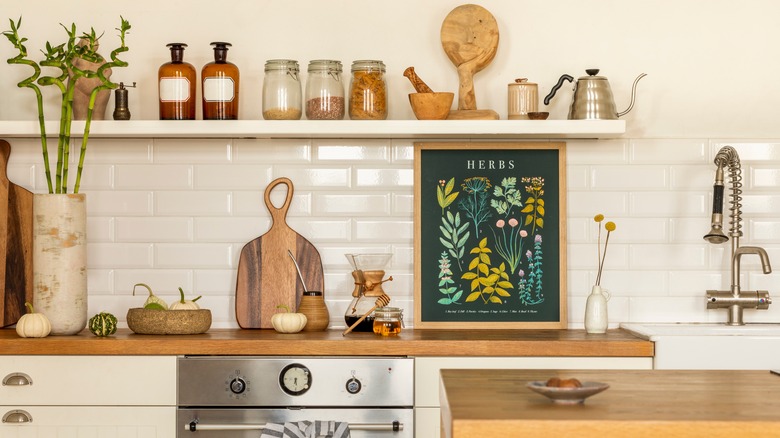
x=220, y=86
x=176, y=86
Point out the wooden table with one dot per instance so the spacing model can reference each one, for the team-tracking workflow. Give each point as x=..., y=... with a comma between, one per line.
x=638, y=404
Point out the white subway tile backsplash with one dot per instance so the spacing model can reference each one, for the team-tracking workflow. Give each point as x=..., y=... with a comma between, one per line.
x=315, y=177
x=189, y=256
x=264, y=151
x=119, y=255
x=119, y=203
x=210, y=151
x=666, y=151
x=157, y=177
x=153, y=229
x=763, y=177
x=192, y=203
x=353, y=204
x=94, y=177
x=346, y=150
x=176, y=212
x=634, y=177
x=22, y=175
x=384, y=178
x=236, y=176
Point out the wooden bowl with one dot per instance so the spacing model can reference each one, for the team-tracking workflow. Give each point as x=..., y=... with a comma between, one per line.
x=538, y=115
x=168, y=322
x=431, y=106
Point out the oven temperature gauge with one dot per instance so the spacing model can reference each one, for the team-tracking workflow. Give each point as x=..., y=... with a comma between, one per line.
x=295, y=379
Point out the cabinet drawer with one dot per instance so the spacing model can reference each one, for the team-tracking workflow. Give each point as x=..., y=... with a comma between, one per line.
x=92, y=422
x=90, y=380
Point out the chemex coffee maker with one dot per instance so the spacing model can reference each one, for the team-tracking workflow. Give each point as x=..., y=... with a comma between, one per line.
x=368, y=270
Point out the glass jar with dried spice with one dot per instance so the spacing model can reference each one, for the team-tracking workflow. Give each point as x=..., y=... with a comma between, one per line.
x=281, y=90
x=368, y=91
x=324, y=90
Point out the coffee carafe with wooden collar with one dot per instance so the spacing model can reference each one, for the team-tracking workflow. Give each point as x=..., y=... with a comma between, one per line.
x=592, y=97
x=368, y=272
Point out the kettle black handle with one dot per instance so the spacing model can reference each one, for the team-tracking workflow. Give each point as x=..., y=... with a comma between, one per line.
x=564, y=77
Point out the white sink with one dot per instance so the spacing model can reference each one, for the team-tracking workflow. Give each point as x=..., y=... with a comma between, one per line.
x=711, y=346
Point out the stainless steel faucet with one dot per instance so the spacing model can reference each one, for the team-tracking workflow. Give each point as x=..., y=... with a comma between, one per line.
x=735, y=300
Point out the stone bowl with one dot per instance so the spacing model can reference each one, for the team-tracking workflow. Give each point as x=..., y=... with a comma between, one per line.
x=168, y=322
x=431, y=106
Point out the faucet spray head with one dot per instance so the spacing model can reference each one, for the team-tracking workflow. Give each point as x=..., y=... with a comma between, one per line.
x=716, y=234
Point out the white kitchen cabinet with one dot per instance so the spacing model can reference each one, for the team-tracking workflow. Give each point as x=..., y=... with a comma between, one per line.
x=89, y=396
x=426, y=378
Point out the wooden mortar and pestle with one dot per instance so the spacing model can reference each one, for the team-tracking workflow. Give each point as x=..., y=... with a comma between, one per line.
x=426, y=103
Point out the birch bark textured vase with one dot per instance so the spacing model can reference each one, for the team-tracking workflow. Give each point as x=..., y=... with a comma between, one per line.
x=60, y=260
x=596, y=319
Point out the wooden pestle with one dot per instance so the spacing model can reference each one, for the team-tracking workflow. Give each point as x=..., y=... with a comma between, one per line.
x=382, y=301
x=418, y=83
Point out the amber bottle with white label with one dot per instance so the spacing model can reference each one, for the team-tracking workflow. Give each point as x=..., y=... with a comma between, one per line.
x=176, y=86
x=220, y=86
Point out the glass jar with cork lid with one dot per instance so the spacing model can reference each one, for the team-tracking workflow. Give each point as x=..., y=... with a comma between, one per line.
x=368, y=91
x=324, y=90
x=281, y=90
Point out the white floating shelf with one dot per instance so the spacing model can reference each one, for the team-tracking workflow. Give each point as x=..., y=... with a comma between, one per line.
x=445, y=129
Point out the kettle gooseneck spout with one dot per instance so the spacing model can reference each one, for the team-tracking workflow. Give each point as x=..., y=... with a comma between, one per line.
x=633, y=96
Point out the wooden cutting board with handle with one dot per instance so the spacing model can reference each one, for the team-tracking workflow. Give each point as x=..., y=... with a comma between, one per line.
x=266, y=274
x=16, y=219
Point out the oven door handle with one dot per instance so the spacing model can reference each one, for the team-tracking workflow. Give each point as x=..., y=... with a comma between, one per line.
x=194, y=426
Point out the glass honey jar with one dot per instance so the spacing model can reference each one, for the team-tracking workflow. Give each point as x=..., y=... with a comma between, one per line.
x=388, y=321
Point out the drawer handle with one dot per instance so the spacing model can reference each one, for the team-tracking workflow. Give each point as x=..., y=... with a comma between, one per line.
x=17, y=416
x=17, y=379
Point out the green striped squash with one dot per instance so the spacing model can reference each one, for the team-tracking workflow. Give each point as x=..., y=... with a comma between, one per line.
x=103, y=324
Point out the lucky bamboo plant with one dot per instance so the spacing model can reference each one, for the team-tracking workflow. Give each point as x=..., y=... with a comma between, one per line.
x=62, y=58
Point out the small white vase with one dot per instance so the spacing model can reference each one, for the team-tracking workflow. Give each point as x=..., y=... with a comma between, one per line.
x=60, y=261
x=596, y=319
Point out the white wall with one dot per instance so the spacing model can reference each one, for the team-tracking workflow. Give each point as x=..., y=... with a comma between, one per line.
x=176, y=212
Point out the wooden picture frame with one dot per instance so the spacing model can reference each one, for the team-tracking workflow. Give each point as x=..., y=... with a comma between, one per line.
x=489, y=235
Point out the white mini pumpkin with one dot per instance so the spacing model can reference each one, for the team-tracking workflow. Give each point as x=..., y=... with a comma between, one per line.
x=288, y=322
x=33, y=325
x=183, y=304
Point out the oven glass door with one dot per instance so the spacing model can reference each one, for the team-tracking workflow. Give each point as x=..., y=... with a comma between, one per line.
x=246, y=423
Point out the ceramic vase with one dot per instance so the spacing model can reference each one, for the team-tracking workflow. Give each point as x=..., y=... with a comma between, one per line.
x=60, y=261
x=596, y=319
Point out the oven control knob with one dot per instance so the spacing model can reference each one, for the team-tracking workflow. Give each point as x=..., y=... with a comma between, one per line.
x=237, y=385
x=354, y=386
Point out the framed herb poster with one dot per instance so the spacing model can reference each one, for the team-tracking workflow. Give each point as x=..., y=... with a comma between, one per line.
x=489, y=235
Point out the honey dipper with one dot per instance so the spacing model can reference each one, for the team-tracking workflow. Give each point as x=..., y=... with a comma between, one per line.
x=381, y=301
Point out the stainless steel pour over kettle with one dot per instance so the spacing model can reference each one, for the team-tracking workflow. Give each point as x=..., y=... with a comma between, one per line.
x=592, y=97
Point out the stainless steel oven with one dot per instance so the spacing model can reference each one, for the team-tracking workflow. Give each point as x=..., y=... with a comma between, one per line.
x=235, y=397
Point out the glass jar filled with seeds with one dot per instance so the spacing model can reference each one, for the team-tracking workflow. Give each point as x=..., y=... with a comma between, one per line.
x=281, y=90
x=324, y=91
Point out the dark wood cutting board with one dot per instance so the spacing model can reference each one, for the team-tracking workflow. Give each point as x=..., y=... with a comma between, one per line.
x=266, y=274
x=16, y=270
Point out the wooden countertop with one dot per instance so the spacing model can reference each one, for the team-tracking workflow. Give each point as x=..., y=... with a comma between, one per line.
x=638, y=404
x=571, y=343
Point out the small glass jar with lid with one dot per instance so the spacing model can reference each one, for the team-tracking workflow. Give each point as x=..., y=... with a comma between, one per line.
x=324, y=91
x=281, y=90
x=388, y=321
x=368, y=91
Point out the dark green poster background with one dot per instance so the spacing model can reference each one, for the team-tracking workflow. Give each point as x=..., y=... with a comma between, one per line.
x=490, y=236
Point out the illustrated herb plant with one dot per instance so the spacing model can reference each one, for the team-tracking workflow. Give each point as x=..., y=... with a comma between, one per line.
x=455, y=235
x=488, y=284
x=507, y=197
x=475, y=204
x=446, y=283
x=444, y=193
x=509, y=242
x=535, y=272
x=534, y=204
x=62, y=57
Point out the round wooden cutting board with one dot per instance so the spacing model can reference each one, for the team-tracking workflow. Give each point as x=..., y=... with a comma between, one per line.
x=469, y=36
